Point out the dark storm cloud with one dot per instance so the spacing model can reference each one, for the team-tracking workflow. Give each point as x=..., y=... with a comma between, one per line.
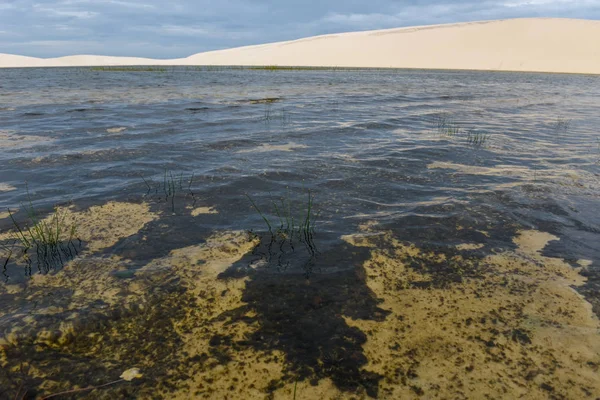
x=167, y=29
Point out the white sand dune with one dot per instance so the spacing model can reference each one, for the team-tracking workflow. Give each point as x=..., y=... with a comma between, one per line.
x=14, y=61
x=527, y=44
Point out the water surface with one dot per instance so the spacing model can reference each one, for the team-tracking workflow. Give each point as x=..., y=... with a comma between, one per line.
x=463, y=166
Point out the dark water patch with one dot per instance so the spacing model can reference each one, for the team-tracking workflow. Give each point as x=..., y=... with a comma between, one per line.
x=267, y=100
x=444, y=226
x=457, y=97
x=229, y=144
x=540, y=104
x=591, y=289
x=84, y=110
x=197, y=109
x=158, y=238
x=376, y=126
x=62, y=158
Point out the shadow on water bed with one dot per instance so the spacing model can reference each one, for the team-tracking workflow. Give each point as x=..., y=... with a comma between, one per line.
x=377, y=317
x=304, y=318
x=87, y=323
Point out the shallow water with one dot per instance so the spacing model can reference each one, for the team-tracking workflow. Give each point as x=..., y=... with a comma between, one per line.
x=375, y=150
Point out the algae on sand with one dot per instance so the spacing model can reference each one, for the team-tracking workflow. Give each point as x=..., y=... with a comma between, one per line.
x=99, y=227
x=507, y=323
x=102, y=323
x=404, y=322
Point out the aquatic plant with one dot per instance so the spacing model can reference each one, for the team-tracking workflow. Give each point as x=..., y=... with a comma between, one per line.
x=51, y=238
x=268, y=113
x=561, y=125
x=273, y=68
x=289, y=225
x=265, y=100
x=335, y=106
x=291, y=68
x=171, y=185
x=535, y=170
x=282, y=115
x=7, y=253
x=286, y=118
x=445, y=125
x=477, y=138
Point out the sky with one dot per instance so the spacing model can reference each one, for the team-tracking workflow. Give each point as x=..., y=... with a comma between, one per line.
x=179, y=28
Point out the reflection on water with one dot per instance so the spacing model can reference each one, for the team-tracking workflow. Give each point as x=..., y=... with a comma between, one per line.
x=453, y=214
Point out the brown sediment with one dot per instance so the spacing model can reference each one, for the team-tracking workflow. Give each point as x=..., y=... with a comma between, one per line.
x=562, y=177
x=11, y=139
x=98, y=227
x=218, y=370
x=263, y=148
x=102, y=316
x=4, y=187
x=202, y=211
x=116, y=130
x=499, y=170
x=410, y=322
x=470, y=246
x=267, y=100
x=508, y=324
x=103, y=226
x=83, y=234
x=190, y=333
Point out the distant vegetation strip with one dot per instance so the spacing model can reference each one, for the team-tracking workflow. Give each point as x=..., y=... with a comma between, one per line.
x=227, y=68
x=129, y=69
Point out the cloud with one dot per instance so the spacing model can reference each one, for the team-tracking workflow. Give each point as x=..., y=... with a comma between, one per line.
x=363, y=20
x=551, y=3
x=50, y=12
x=178, y=28
x=126, y=4
x=207, y=31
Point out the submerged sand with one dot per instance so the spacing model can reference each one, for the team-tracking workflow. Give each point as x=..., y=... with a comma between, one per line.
x=407, y=323
x=513, y=325
x=527, y=44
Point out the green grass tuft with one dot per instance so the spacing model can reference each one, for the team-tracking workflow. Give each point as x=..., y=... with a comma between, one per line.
x=289, y=223
x=477, y=138
x=445, y=125
x=51, y=238
x=171, y=185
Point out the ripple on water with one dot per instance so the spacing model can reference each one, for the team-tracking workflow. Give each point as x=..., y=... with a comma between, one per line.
x=438, y=259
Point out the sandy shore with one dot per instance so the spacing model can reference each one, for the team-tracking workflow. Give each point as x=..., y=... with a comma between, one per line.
x=528, y=44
